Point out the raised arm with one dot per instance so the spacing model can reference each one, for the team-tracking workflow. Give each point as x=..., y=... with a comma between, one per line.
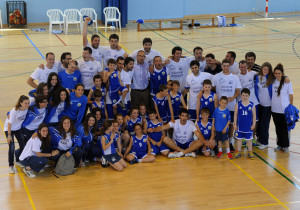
x=84, y=32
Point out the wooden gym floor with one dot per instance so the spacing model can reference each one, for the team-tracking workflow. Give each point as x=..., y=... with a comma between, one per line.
x=271, y=181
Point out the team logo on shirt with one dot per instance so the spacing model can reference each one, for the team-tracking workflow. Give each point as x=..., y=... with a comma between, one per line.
x=177, y=99
x=114, y=101
x=144, y=140
x=210, y=99
x=74, y=79
x=163, y=73
x=230, y=82
x=79, y=104
x=224, y=115
x=236, y=134
x=209, y=127
x=249, y=108
x=115, y=75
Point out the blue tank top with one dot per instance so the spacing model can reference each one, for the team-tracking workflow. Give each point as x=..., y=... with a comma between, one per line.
x=162, y=106
x=176, y=102
x=156, y=136
x=131, y=123
x=114, y=82
x=205, y=130
x=111, y=149
x=103, y=91
x=244, y=118
x=209, y=103
x=139, y=145
x=101, y=106
x=156, y=79
x=116, y=140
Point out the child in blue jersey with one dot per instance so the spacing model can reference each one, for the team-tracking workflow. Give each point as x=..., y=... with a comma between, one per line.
x=244, y=123
x=143, y=112
x=139, y=147
x=176, y=99
x=221, y=121
x=97, y=86
x=116, y=86
x=109, y=152
x=70, y=77
x=207, y=98
x=162, y=101
x=125, y=137
x=205, y=127
x=99, y=119
x=133, y=119
x=99, y=102
x=158, y=77
x=117, y=137
x=156, y=138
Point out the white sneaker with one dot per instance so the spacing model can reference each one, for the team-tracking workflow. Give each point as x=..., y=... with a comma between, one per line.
x=263, y=146
x=278, y=148
x=212, y=153
x=47, y=166
x=12, y=170
x=42, y=170
x=286, y=149
x=191, y=154
x=83, y=164
x=172, y=155
x=19, y=164
x=29, y=173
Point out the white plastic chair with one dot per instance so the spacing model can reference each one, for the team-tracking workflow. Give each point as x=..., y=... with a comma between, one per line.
x=1, y=19
x=90, y=12
x=55, y=17
x=110, y=14
x=72, y=16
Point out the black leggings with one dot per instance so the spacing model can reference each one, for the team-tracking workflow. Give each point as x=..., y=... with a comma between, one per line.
x=11, y=151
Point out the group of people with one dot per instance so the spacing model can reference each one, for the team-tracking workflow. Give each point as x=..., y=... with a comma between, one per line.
x=111, y=107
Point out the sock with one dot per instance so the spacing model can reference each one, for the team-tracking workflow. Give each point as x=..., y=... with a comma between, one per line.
x=220, y=149
x=227, y=150
x=139, y=160
x=231, y=140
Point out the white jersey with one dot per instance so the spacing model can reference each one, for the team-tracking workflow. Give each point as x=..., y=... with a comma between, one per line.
x=279, y=103
x=59, y=109
x=126, y=80
x=97, y=53
x=225, y=86
x=37, y=120
x=195, y=84
x=111, y=53
x=183, y=133
x=88, y=70
x=149, y=56
x=179, y=71
x=65, y=144
x=16, y=118
x=32, y=146
x=263, y=92
x=235, y=68
x=42, y=74
x=201, y=63
x=247, y=81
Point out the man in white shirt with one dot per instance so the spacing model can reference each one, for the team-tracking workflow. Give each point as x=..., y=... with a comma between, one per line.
x=183, y=137
x=234, y=66
x=193, y=85
x=42, y=74
x=198, y=56
x=140, y=81
x=88, y=69
x=126, y=77
x=178, y=68
x=149, y=52
x=228, y=84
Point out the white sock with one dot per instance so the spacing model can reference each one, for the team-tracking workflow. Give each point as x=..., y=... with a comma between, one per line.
x=220, y=149
x=227, y=150
x=231, y=140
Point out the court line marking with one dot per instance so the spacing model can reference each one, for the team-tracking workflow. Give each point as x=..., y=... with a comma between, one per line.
x=26, y=188
x=60, y=40
x=257, y=183
x=276, y=163
x=35, y=59
x=33, y=44
x=275, y=169
x=13, y=75
x=255, y=206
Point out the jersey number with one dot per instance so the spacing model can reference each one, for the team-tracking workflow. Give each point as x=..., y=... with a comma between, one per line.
x=245, y=112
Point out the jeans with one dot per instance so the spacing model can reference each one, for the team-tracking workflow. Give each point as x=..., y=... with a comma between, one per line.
x=35, y=163
x=264, y=117
x=11, y=151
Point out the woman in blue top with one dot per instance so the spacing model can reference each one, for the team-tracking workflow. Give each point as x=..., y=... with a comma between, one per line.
x=86, y=132
x=65, y=140
x=57, y=107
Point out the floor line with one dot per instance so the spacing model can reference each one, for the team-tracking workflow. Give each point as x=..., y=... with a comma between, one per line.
x=60, y=40
x=33, y=44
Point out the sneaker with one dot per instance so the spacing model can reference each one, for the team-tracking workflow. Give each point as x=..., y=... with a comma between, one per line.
x=42, y=170
x=29, y=173
x=251, y=155
x=263, y=146
x=232, y=150
x=19, y=164
x=47, y=166
x=254, y=144
x=278, y=148
x=133, y=161
x=229, y=155
x=83, y=164
x=175, y=154
x=191, y=154
x=12, y=170
x=212, y=153
x=104, y=162
x=237, y=155
x=219, y=154
x=122, y=104
x=286, y=149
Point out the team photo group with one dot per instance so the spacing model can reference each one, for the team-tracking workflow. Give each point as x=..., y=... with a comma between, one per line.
x=111, y=107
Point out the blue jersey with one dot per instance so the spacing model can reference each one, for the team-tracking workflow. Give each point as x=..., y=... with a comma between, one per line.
x=156, y=136
x=244, y=118
x=205, y=130
x=111, y=149
x=116, y=140
x=221, y=118
x=176, y=102
x=99, y=123
x=101, y=106
x=162, y=106
x=156, y=79
x=209, y=103
x=139, y=145
x=114, y=82
x=131, y=123
x=69, y=81
x=103, y=91
x=145, y=117
x=76, y=108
